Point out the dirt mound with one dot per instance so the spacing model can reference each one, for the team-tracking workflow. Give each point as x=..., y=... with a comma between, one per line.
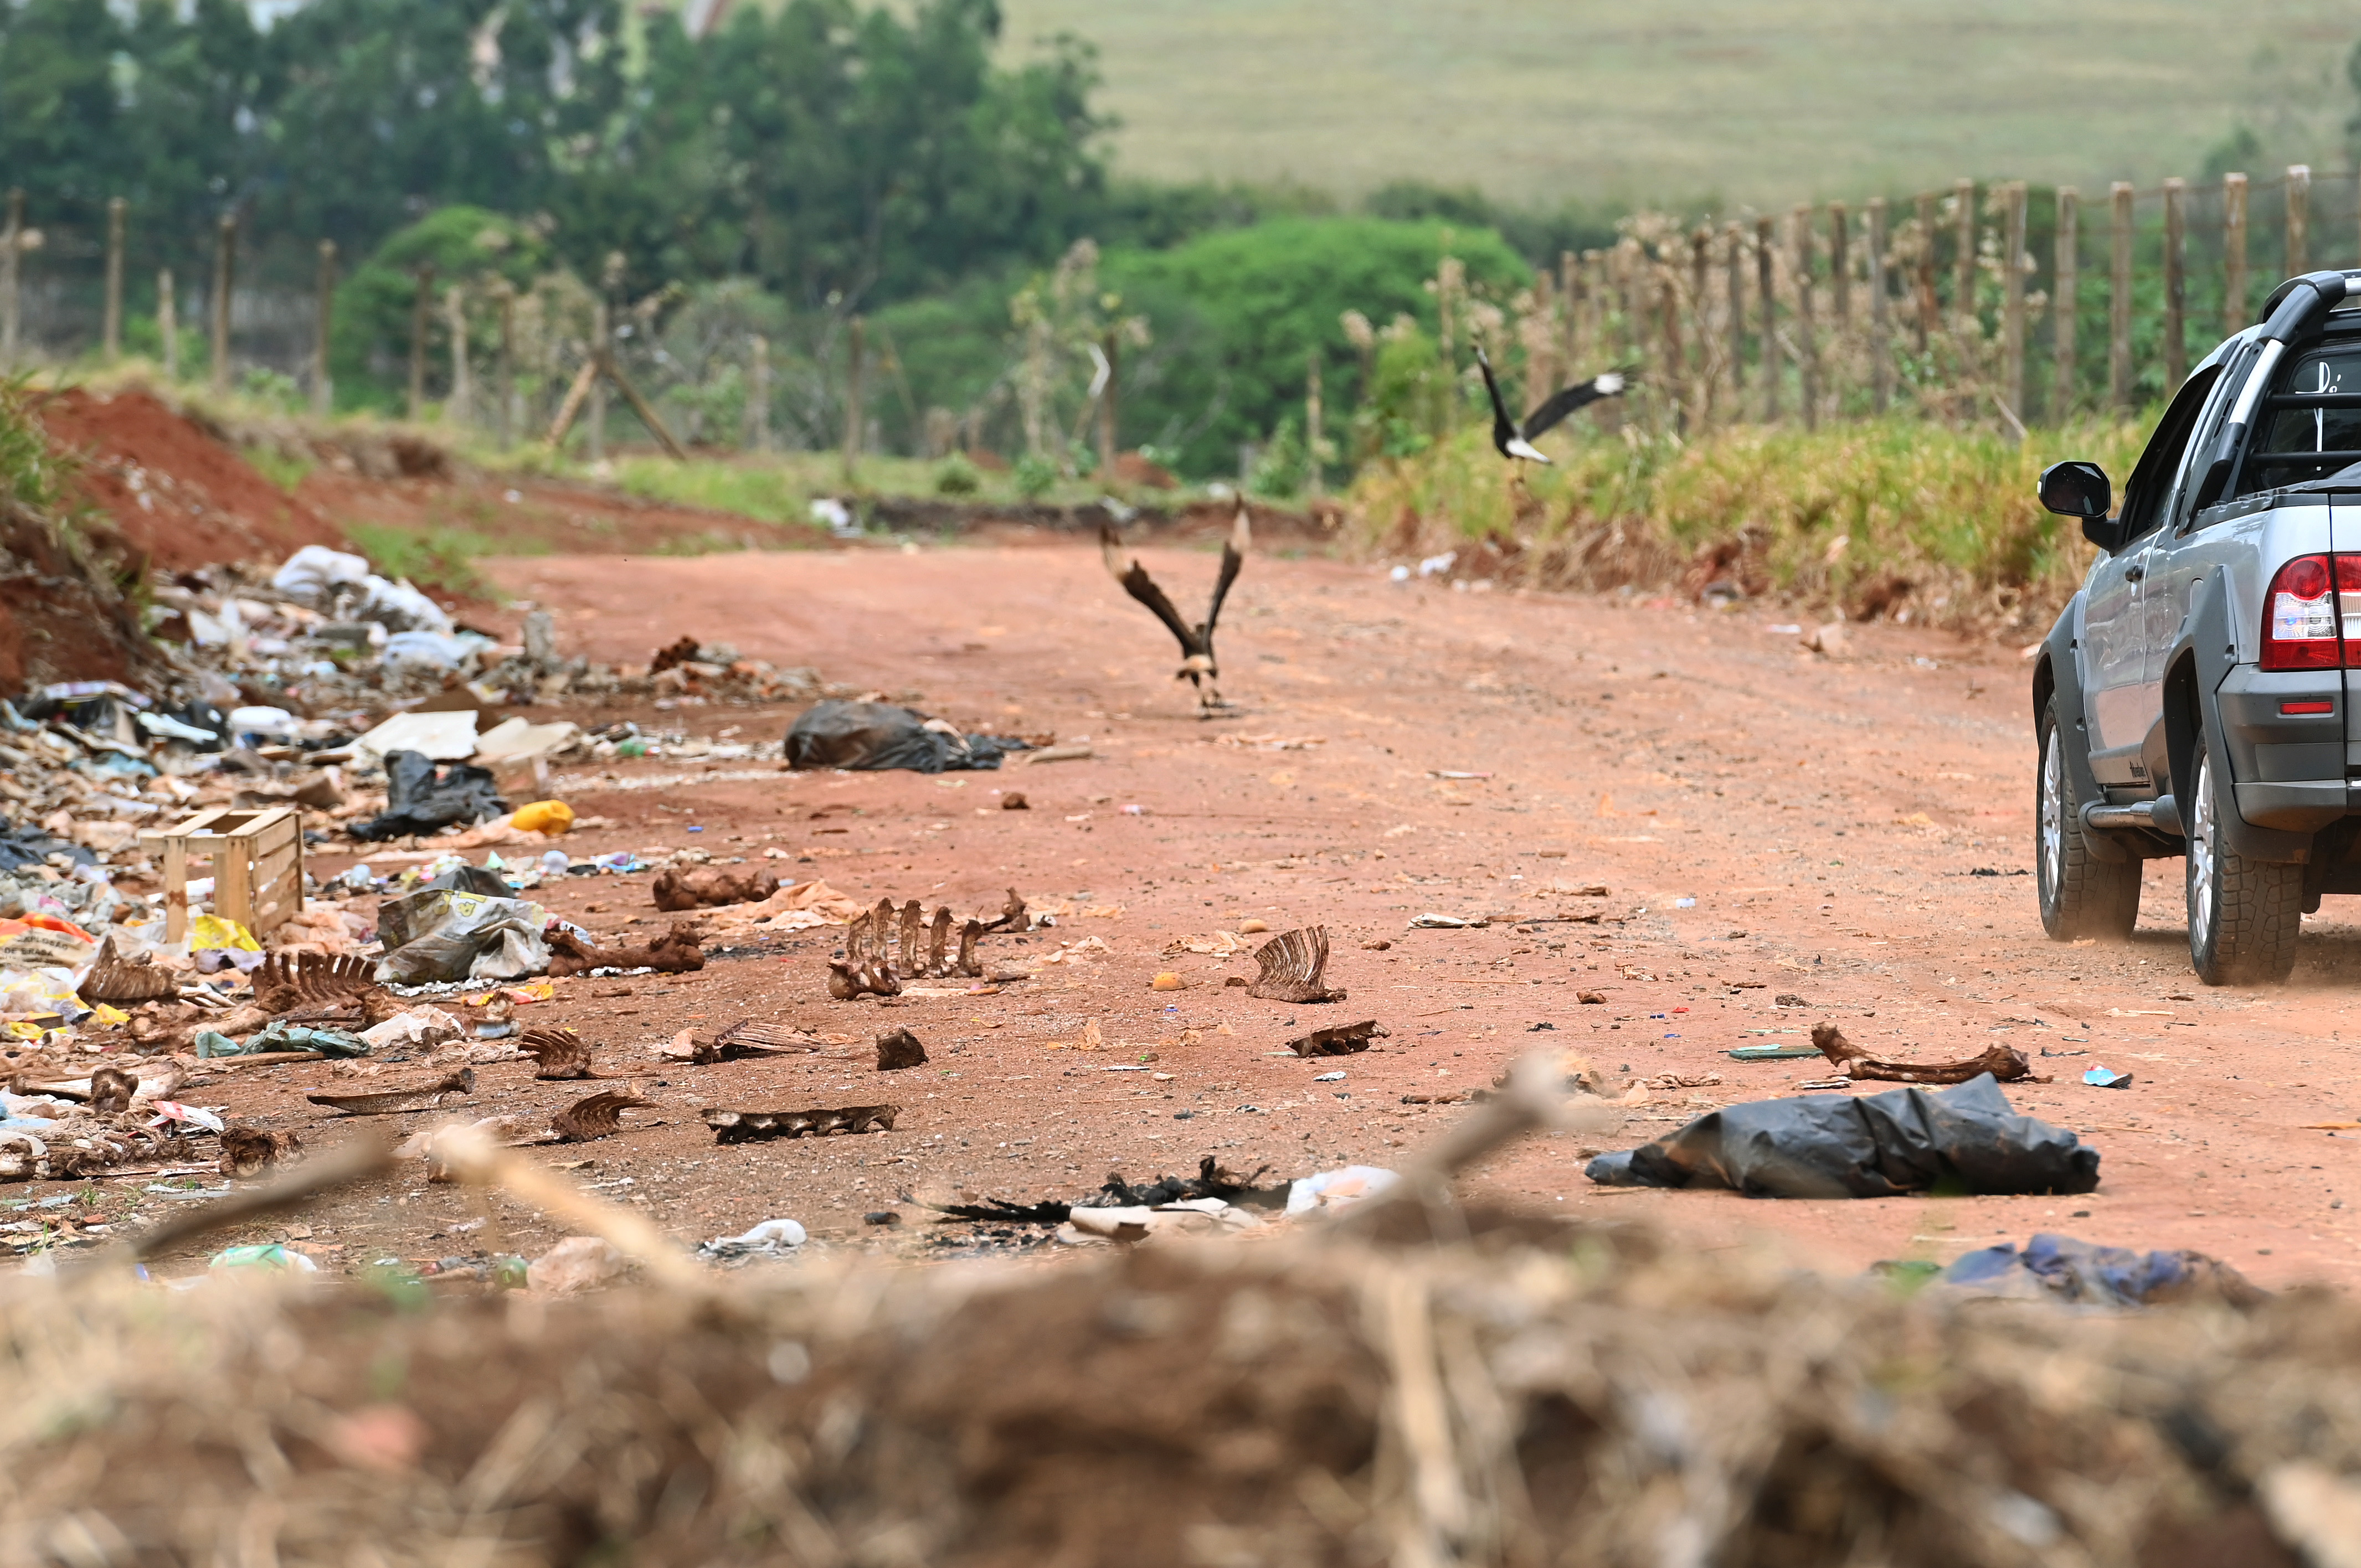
x=1531, y=1398
x=64, y=615
x=177, y=493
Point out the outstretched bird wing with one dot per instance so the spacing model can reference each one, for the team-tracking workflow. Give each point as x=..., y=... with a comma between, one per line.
x=1580, y=395
x=1234, y=557
x=1504, y=429
x=1135, y=582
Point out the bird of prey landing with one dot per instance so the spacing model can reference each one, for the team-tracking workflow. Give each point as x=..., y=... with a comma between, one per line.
x=1197, y=665
x=1513, y=440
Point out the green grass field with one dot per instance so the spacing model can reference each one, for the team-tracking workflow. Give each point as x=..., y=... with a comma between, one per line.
x=1761, y=100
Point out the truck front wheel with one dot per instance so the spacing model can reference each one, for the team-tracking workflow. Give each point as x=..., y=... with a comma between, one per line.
x=2081, y=895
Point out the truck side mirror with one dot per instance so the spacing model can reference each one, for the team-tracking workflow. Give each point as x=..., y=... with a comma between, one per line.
x=2076, y=490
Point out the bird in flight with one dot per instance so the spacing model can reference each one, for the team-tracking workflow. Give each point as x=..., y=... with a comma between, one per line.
x=1197, y=664
x=1511, y=439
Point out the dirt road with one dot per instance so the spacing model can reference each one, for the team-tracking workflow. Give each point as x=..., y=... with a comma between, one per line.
x=1770, y=823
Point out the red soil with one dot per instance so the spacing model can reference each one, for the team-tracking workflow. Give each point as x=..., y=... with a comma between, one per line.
x=177, y=494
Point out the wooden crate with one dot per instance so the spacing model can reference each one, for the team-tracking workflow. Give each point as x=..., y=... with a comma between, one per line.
x=258, y=866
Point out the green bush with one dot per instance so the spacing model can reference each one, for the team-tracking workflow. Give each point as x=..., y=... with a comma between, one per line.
x=957, y=476
x=368, y=344
x=1036, y=475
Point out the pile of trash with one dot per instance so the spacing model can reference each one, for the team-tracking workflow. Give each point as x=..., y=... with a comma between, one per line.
x=1533, y=1390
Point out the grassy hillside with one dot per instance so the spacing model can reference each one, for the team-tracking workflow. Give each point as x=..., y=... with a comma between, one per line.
x=1769, y=100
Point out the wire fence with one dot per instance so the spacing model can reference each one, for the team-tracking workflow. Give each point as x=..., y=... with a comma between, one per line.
x=1977, y=303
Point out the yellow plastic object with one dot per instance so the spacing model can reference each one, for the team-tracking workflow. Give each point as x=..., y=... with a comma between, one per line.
x=542, y=817
x=213, y=931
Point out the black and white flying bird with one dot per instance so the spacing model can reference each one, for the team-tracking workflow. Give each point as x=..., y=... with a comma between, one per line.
x=1197, y=665
x=1511, y=439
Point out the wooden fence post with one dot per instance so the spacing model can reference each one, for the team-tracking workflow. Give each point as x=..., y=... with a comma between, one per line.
x=1840, y=265
x=1110, y=409
x=2011, y=297
x=111, y=320
x=2175, y=283
x=1541, y=340
x=856, y=347
x=1312, y=418
x=1807, y=346
x=1700, y=279
x=1635, y=298
x=12, y=250
x=1964, y=264
x=1765, y=292
x=1668, y=307
x=1569, y=294
x=1926, y=269
x=1881, y=350
x=2063, y=303
x=422, y=309
x=324, y=316
x=459, y=407
x=602, y=338
x=505, y=371
x=758, y=401
x=225, y=280
x=1735, y=280
x=168, y=322
x=2119, y=298
x=2299, y=219
x=2233, y=253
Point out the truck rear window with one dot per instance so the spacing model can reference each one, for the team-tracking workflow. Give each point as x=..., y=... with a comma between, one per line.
x=2311, y=426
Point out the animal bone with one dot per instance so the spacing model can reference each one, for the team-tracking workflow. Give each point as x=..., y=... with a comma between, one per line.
x=937, y=940
x=1012, y=916
x=898, y=1048
x=597, y=1115
x=865, y=968
x=1342, y=1040
x=284, y=983
x=249, y=1151
x=751, y=1126
x=111, y=1090
x=675, y=952
x=746, y=1039
x=561, y=1053
x=2005, y=1063
x=125, y=982
x=967, y=963
x=390, y=1101
x=709, y=887
x=1292, y=964
x=907, y=951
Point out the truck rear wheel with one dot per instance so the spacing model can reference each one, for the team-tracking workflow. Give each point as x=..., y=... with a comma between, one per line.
x=2080, y=895
x=2244, y=916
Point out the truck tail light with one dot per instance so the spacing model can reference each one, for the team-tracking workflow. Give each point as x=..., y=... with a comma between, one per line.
x=2300, y=620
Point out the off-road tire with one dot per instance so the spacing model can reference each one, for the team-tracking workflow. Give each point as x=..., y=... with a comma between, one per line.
x=2080, y=895
x=2244, y=916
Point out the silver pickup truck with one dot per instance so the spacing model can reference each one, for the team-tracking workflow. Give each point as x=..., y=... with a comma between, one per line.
x=2192, y=700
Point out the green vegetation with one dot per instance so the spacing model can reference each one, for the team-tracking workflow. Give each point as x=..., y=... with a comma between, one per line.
x=1832, y=518
x=1763, y=101
x=441, y=560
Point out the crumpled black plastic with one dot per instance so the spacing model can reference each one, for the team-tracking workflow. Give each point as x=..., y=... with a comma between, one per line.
x=31, y=847
x=1964, y=1139
x=2061, y=1269
x=870, y=737
x=419, y=799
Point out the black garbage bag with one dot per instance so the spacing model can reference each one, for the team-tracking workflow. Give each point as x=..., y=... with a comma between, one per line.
x=31, y=847
x=2061, y=1268
x=1964, y=1139
x=870, y=737
x=421, y=798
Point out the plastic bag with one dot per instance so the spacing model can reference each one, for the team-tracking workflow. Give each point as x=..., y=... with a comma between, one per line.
x=44, y=941
x=2055, y=1267
x=870, y=737
x=311, y=572
x=1880, y=1146
x=442, y=936
x=420, y=799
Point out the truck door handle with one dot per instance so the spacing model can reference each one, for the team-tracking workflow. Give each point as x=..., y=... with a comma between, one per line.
x=2134, y=573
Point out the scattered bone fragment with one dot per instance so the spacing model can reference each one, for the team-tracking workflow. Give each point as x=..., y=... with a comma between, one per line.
x=967, y=963
x=747, y=1038
x=249, y=1151
x=287, y=983
x=457, y=1085
x=559, y=1053
x=597, y=1115
x=708, y=887
x=677, y=951
x=125, y=982
x=1342, y=1040
x=2005, y=1062
x=898, y=1048
x=1012, y=916
x=751, y=1126
x=112, y=1090
x=938, y=937
x=1291, y=966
